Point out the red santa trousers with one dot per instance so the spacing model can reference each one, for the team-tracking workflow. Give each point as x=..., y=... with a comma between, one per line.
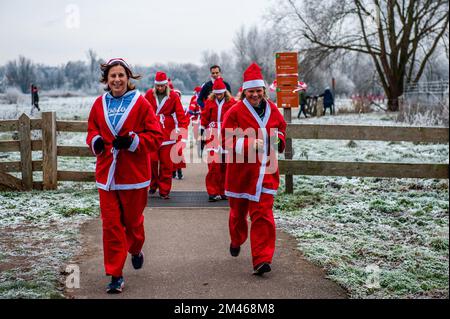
x=123, y=226
x=215, y=178
x=162, y=168
x=262, y=229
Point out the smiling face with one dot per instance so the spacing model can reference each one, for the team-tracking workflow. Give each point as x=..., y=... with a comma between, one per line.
x=254, y=96
x=118, y=80
x=215, y=73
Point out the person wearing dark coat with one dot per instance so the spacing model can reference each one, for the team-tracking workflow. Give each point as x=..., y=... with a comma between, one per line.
x=328, y=101
x=35, y=97
x=207, y=88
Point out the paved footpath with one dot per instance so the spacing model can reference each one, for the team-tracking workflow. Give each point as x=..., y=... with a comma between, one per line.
x=186, y=257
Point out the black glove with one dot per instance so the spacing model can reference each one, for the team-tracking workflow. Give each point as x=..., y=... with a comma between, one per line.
x=99, y=146
x=122, y=142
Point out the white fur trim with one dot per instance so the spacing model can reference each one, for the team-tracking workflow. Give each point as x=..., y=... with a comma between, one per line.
x=253, y=84
x=133, y=147
x=219, y=91
x=168, y=143
x=240, y=146
x=161, y=82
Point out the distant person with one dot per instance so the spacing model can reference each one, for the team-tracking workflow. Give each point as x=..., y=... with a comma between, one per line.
x=216, y=72
x=328, y=101
x=34, y=98
x=122, y=132
x=303, y=100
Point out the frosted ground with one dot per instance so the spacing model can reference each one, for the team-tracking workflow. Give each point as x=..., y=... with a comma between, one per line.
x=399, y=228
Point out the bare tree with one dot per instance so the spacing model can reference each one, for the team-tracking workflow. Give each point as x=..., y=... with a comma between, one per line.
x=20, y=73
x=399, y=35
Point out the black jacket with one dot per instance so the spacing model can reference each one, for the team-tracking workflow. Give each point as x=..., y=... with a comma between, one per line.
x=206, y=91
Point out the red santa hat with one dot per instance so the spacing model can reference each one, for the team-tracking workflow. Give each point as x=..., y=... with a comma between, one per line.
x=169, y=81
x=219, y=86
x=161, y=78
x=197, y=89
x=253, y=77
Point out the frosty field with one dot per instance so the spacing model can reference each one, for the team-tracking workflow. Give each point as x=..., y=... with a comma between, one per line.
x=398, y=228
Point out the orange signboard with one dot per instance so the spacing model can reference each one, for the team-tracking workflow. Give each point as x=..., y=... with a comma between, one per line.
x=287, y=79
x=286, y=63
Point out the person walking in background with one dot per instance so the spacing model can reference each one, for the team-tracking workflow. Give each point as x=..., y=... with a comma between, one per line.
x=183, y=135
x=165, y=102
x=217, y=105
x=303, y=100
x=122, y=131
x=216, y=72
x=252, y=181
x=328, y=101
x=34, y=98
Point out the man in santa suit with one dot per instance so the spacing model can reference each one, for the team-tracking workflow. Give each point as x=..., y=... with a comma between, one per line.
x=178, y=161
x=122, y=131
x=216, y=106
x=254, y=132
x=165, y=102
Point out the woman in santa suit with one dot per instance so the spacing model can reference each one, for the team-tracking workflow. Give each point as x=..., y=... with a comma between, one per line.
x=216, y=106
x=122, y=131
x=254, y=132
x=165, y=102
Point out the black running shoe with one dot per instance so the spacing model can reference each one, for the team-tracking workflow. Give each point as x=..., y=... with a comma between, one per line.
x=116, y=285
x=137, y=260
x=261, y=269
x=235, y=251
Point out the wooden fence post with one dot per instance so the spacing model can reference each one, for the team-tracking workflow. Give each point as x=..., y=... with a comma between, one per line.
x=288, y=154
x=49, y=150
x=25, y=152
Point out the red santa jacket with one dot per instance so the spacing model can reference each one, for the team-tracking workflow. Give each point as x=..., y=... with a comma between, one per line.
x=124, y=169
x=169, y=105
x=249, y=173
x=194, y=107
x=211, y=121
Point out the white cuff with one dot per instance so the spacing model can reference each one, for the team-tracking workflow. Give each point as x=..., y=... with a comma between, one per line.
x=93, y=142
x=240, y=145
x=133, y=147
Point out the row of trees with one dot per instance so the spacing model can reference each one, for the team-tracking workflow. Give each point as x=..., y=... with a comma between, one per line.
x=367, y=46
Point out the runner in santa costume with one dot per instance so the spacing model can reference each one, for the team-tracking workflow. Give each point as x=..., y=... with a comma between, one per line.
x=165, y=102
x=122, y=131
x=179, y=162
x=194, y=112
x=254, y=130
x=216, y=106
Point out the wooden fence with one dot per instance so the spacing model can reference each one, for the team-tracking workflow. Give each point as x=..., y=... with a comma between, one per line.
x=50, y=152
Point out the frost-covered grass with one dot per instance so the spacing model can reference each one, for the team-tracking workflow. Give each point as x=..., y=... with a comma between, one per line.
x=348, y=224
x=40, y=232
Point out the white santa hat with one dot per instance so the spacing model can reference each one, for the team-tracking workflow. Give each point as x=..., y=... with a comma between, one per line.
x=161, y=78
x=219, y=86
x=253, y=77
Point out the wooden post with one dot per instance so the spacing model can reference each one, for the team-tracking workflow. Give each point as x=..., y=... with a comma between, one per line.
x=25, y=152
x=288, y=153
x=49, y=151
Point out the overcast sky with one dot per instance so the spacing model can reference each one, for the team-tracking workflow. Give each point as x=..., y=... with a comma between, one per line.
x=142, y=31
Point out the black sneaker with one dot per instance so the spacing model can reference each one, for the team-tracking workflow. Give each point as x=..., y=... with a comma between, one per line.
x=152, y=191
x=214, y=198
x=174, y=174
x=180, y=173
x=137, y=260
x=224, y=197
x=116, y=285
x=235, y=251
x=261, y=269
